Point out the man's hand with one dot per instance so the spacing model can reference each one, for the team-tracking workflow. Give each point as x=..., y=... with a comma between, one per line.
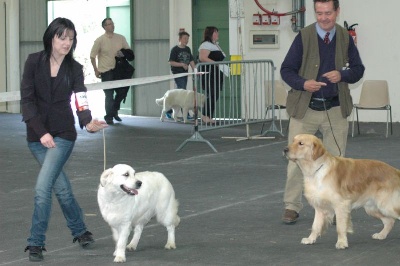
x=120, y=54
x=313, y=86
x=97, y=74
x=333, y=76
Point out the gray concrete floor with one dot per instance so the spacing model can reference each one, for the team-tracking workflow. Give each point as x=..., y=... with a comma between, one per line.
x=230, y=201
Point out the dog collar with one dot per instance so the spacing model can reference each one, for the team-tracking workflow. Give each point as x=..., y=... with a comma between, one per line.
x=318, y=168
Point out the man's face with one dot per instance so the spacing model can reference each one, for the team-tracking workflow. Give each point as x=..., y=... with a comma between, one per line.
x=109, y=25
x=326, y=15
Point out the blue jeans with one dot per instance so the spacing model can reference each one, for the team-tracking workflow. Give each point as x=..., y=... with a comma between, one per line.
x=181, y=82
x=52, y=178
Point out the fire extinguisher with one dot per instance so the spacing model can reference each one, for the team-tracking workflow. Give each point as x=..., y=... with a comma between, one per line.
x=352, y=31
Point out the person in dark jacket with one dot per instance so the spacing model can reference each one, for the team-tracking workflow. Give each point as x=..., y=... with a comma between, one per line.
x=49, y=80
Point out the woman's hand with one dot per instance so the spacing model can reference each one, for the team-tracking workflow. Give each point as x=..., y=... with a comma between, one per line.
x=47, y=141
x=95, y=125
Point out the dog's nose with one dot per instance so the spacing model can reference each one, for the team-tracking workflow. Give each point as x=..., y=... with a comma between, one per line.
x=138, y=184
x=286, y=150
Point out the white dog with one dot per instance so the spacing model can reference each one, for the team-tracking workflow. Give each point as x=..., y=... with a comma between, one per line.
x=176, y=99
x=128, y=200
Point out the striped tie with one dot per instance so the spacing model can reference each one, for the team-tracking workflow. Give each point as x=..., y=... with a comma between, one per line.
x=326, y=39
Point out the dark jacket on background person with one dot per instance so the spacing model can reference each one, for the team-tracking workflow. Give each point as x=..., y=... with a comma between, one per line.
x=46, y=101
x=123, y=69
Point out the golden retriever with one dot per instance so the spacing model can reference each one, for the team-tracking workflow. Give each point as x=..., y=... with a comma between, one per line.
x=128, y=200
x=336, y=185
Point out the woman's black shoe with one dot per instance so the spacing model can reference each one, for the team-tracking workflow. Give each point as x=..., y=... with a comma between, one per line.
x=35, y=253
x=84, y=240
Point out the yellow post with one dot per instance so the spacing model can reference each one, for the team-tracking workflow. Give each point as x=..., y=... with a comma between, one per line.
x=235, y=68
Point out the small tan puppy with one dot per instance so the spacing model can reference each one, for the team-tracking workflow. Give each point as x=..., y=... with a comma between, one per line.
x=336, y=185
x=176, y=99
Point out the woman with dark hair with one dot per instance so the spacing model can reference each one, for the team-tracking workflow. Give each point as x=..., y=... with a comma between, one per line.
x=209, y=51
x=50, y=78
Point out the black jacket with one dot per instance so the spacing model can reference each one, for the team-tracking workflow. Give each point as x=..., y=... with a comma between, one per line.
x=124, y=70
x=46, y=103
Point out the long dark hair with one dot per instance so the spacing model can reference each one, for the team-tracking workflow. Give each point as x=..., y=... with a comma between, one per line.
x=208, y=32
x=58, y=27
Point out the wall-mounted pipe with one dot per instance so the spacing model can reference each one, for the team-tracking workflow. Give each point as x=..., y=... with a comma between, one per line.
x=298, y=19
x=298, y=11
x=294, y=11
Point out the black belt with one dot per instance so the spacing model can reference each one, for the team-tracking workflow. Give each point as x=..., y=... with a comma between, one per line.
x=322, y=104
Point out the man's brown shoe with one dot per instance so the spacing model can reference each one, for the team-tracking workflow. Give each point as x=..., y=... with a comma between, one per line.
x=290, y=216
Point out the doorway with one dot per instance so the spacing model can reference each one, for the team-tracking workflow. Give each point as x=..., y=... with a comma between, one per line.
x=211, y=13
x=87, y=16
x=215, y=13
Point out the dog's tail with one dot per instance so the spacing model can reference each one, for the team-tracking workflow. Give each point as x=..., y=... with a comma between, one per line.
x=160, y=101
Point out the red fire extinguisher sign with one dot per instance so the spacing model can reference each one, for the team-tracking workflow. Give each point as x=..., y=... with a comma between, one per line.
x=352, y=31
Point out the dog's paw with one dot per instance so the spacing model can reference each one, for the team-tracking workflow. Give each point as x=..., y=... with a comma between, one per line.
x=308, y=241
x=170, y=246
x=341, y=245
x=120, y=259
x=131, y=247
x=378, y=236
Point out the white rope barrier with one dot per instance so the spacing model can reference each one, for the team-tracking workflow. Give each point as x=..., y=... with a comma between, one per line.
x=16, y=95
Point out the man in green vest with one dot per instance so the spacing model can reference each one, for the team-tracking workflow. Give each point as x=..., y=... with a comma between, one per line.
x=318, y=67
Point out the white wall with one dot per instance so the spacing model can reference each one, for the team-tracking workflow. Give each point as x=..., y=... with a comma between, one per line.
x=378, y=46
x=377, y=42
x=9, y=55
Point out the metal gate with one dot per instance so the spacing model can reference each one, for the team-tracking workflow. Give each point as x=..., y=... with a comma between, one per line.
x=236, y=93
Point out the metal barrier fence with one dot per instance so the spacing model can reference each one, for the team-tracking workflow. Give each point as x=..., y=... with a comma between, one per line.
x=236, y=93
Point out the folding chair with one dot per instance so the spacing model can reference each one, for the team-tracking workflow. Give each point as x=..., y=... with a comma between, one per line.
x=280, y=98
x=374, y=96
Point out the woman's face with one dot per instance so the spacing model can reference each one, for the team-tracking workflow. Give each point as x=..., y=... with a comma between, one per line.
x=62, y=45
x=215, y=36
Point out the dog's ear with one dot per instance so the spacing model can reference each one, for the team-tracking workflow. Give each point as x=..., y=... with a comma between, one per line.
x=318, y=149
x=105, y=177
